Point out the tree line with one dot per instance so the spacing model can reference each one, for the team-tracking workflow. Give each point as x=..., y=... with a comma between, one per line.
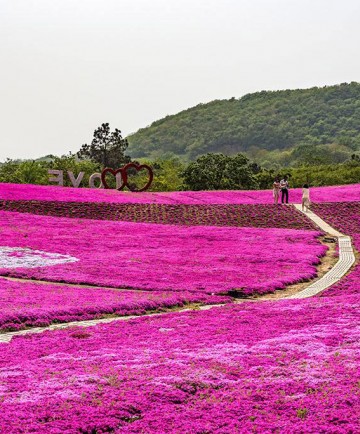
x=211, y=171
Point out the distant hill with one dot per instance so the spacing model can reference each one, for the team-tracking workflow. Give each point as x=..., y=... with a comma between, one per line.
x=271, y=120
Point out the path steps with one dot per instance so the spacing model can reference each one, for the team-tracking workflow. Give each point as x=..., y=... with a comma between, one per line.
x=345, y=262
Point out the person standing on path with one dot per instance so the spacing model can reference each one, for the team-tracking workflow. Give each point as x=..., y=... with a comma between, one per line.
x=284, y=186
x=276, y=190
x=305, y=200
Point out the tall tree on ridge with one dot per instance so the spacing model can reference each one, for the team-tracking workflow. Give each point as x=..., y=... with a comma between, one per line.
x=107, y=148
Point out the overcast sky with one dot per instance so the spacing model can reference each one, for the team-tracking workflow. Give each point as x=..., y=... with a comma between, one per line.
x=69, y=65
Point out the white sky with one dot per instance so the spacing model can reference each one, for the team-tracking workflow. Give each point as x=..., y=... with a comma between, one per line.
x=69, y=65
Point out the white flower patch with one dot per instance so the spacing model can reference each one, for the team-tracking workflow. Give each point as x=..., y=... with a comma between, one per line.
x=18, y=257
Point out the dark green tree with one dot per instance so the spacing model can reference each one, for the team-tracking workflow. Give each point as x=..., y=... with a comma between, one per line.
x=220, y=172
x=107, y=148
x=206, y=173
x=239, y=173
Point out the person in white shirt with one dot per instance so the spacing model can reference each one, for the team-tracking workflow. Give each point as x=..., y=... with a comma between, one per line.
x=305, y=200
x=284, y=187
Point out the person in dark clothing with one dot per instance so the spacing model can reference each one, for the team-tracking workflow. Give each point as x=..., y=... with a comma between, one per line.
x=284, y=187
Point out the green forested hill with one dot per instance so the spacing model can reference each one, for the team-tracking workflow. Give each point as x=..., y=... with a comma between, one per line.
x=271, y=120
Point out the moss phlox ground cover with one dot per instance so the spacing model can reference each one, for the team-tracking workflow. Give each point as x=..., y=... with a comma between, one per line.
x=254, y=215
x=164, y=257
x=268, y=367
x=31, y=304
x=286, y=366
x=69, y=194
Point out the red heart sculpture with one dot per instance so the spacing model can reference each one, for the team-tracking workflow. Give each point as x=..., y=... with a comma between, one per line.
x=114, y=172
x=137, y=167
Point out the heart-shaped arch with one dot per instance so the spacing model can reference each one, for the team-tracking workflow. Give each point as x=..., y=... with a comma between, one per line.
x=114, y=172
x=138, y=168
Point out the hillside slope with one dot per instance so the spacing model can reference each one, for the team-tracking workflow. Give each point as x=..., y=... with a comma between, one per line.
x=265, y=120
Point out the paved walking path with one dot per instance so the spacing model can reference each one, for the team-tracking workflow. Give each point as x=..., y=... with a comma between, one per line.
x=345, y=262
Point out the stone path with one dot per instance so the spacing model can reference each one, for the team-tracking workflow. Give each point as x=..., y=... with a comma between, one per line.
x=345, y=262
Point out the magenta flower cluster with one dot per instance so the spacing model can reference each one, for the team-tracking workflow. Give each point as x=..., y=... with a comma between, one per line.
x=343, y=193
x=163, y=257
x=254, y=215
x=345, y=217
x=286, y=367
x=27, y=304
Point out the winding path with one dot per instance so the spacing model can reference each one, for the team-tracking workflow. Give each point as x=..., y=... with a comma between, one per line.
x=345, y=262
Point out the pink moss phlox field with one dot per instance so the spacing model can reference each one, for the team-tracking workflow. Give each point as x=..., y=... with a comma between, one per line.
x=346, y=218
x=286, y=367
x=342, y=193
x=255, y=215
x=164, y=257
x=24, y=304
x=343, y=216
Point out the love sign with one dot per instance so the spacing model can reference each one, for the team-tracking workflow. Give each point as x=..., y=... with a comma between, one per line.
x=122, y=177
